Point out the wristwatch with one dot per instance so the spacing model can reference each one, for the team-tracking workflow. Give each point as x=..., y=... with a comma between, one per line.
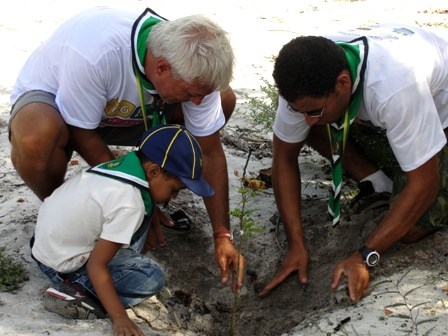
x=371, y=257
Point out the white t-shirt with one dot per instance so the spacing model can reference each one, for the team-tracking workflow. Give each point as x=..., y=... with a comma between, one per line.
x=87, y=65
x=85, y=208
x=405, y=92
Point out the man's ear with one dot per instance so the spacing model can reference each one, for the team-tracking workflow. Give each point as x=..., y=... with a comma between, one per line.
x=344, y=80
x=163, y=68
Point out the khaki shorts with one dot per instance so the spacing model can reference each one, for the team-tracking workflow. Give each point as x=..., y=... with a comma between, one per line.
x=375, y=146
x=120, y=136
x=35, y=96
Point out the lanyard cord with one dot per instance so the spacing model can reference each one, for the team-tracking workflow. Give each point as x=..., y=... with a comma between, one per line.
x=142, y=103
x=344, y=136
x=158, y=104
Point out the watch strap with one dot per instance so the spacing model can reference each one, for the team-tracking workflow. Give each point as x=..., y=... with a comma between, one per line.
x=371, y=257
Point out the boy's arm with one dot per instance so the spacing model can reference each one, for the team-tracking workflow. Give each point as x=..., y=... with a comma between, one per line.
x=99, y=275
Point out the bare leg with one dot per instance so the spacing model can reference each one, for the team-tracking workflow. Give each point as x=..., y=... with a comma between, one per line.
x=38, y=138
x=416, y=234
x=354, y=163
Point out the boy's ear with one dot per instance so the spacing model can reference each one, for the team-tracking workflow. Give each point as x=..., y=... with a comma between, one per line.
x=152, y=170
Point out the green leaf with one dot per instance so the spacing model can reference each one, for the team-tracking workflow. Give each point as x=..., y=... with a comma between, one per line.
x=389, y=292
x=413, y=289
x=376, y=284
x=399, y=304
x=434, y=319
x=402, y=277
x=420, y=304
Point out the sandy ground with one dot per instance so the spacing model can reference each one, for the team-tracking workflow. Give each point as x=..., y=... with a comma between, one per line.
x=408, y=292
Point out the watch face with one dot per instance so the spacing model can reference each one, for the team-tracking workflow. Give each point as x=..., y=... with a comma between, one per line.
x=372, y=259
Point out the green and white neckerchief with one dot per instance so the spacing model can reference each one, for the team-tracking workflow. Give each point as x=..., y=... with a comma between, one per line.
x=127, y=169
x=356, y=52
x=140, y=32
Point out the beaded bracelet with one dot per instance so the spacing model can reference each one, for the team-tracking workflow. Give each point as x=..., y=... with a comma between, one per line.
x=228, y=235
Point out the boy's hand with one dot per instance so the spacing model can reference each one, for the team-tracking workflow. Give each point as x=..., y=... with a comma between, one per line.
x=124, y=326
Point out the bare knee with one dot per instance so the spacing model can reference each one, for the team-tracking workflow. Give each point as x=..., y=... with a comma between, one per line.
x=38, y=141
x=30, y=152
x=416, y=234
x=228, y=102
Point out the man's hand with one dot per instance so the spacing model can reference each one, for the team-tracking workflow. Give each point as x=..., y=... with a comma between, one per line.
x=155, y=237
x=296, y=260
x=357, y=274
x=226, y=256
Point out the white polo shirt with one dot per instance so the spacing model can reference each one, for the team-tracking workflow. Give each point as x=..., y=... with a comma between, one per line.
x=87, y=64
x=82, y=210
x=405, y=92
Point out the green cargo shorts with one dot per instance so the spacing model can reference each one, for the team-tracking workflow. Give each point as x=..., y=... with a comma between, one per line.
x=375, y=146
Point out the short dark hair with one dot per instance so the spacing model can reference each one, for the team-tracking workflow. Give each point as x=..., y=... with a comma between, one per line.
x=308, y=66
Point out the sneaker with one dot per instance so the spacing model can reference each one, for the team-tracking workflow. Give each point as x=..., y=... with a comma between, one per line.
x=72, y=301
x=368, y=199
x=182, y=222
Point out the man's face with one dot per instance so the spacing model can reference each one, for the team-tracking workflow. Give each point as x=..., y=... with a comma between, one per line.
x=173, y=90
x=321, y=110
x=327, y=108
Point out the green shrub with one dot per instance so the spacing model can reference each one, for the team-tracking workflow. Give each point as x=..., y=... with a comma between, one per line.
x=12, y=273
x=263, y=109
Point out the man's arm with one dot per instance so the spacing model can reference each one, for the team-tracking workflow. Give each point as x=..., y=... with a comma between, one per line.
x=215, y=172
x=417, y=196
x=90, y=145
x=287, y=190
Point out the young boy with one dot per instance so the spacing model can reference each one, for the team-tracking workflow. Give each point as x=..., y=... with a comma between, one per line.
x=90, y=231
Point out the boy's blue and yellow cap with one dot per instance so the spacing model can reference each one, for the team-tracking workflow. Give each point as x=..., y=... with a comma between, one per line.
x=176, y=150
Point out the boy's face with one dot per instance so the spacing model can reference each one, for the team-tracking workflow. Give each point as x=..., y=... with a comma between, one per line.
x=164, y=187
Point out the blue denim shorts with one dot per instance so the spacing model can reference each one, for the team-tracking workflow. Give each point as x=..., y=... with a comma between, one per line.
x=135, y=276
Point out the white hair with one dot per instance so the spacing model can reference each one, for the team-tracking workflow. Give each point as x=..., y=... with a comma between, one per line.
x=196, y=49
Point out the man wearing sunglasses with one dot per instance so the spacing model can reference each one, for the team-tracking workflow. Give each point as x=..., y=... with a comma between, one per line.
x=390, y=81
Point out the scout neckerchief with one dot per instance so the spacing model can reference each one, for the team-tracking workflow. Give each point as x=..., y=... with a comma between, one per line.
x=140, y=32
x=127, y=169
x=356, y=52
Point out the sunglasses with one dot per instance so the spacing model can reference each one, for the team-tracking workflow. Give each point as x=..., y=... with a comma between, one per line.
x=317, y=113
